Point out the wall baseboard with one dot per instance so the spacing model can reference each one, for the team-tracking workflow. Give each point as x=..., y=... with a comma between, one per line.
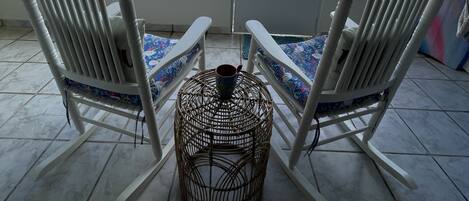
x=15, y=23
x=148, y=26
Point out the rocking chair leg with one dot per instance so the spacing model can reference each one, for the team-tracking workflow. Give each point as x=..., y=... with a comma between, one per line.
x=202, y=66
x=295, y=175
x=252, y=53
x=75, y=115
x=138, y=185
x=381, y=159
x=63, y=153
x=150, y=120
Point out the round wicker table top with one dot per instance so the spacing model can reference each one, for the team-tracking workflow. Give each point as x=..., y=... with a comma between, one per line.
x=250, y=105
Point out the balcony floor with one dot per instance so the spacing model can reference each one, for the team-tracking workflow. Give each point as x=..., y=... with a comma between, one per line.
x=426, y=132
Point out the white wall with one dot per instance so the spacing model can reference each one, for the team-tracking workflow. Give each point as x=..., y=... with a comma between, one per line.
x=12, y=10
x=281, y=15
x=177, y=12
x=184, y=12
x=291, y=17
x=329, y=5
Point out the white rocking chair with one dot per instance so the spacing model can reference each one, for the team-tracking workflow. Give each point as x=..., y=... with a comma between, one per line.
x=320, y=78
x=97, y=74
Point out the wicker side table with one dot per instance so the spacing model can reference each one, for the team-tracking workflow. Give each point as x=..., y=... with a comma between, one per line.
x=222, y=147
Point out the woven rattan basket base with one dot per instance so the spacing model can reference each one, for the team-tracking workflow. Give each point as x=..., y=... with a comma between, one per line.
x=222, y=147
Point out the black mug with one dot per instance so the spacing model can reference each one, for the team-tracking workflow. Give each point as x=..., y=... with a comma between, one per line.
x=227, y=80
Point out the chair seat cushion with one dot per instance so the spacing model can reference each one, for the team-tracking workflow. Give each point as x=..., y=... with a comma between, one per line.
x=306, y=55
x=155, y=48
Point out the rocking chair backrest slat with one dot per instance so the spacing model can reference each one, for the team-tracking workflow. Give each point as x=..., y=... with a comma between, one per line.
x=61, y=36
x=93, y=55
x=78, y=37
x=408, y=30
x=84, y=37
x=385, y=29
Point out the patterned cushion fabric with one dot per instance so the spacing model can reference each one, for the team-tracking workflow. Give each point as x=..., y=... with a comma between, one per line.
x=306, y=55
x=155, y=48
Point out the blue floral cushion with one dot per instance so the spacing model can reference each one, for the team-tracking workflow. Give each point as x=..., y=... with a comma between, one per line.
x=155, y=48
x=306, y=55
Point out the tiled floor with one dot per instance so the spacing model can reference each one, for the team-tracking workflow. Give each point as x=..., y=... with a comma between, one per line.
x=426, y=132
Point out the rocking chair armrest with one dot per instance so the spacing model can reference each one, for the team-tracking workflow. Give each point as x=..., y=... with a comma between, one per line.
x=113, y=9
x=265, y=41
x=349, y=23
x=190, y=39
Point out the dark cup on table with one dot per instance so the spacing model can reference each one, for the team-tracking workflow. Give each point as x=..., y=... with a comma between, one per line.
x=227, y=80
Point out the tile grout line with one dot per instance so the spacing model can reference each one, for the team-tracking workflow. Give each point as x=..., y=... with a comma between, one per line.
x=454, y=184
x=430, y=110
x=413, y=132
x=27, y=61
x=33, y=95
x=19, y=39
x=101, y=172
x=11, y=72
x=173, y=181
x=107, y=162
x=22, y=63
x=464, y=88
x=442, y=109
x=430, y=155
x=435, y=68
x=316, y=180
x=67, y=140
x=449, y=78
x=457, y=124
x=12, y=41
x=431, y=98
x=381, y=175
x=38, y=158
x=29, y=170
x=16, y=111
x=323, y=150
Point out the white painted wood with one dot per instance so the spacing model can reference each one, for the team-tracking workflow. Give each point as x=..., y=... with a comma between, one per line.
x=113, y=128
x=271, y=48
x=113, y=9
x=84, y=39
x=295, y=175
x=348, y=24
x=99, y=52
x=112, y=46
x=92, y=60
x=351, y=115
x=252, y=52
x=115, y=110
x=64, y=152
x=193, y=35
x=387, y=39
x=321, y=74
x=202, y=62
x=138, y=185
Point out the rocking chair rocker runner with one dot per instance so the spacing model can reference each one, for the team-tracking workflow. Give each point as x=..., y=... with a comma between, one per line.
x=336, y=82
x=95, y=74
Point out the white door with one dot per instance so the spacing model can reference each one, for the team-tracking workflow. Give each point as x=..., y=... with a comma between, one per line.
x=301, y=17
x=279, y=16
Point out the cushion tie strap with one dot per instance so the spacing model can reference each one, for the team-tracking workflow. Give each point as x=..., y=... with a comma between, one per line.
x=65, y=103
x=136, y=125
x=143, y=132
x=317, y=134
